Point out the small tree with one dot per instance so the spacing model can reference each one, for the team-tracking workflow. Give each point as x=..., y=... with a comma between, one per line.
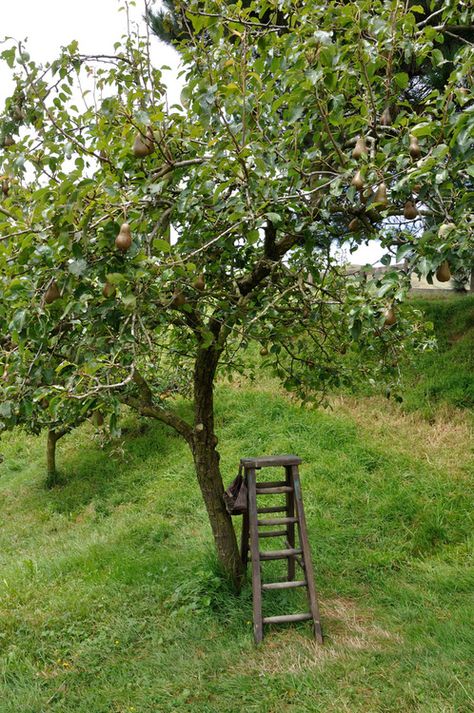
x=282, y=138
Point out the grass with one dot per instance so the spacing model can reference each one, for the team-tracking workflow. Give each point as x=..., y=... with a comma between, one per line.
x=110, y=600
x=447, y=374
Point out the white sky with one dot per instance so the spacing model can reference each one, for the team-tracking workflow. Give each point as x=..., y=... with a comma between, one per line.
x=97, y=25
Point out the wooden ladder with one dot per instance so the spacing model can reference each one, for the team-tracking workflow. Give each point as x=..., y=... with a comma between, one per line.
x=254, y=527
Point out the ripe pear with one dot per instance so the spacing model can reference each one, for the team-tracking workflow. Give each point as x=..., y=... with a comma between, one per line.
x=199, y=283
x=443, y=273
x=52, y=293
x=123, y=241
x=9, y=140
x=381, y=194
x=354, y=225
x=178, y=299
x=358, y=181
x=263, y=351
x=360, y=148
x=143, y=145
x=410, y=211
x=5, y=187
x=415, y=150
x=390, y=317
x=386, y=118
x=109, y=290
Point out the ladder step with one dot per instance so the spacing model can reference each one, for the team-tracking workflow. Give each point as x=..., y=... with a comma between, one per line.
x=279, y=554
x=273, y=533
x=286, y=617
x=271, y=484
x=277, y=508
x=278, y=521
x=285, y=585
x=274, y=491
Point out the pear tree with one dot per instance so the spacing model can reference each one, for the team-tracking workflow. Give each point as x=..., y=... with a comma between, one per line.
x=144, y=248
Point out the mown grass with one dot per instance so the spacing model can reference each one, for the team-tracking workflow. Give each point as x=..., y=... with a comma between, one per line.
x=110, y=600
x=445, y=375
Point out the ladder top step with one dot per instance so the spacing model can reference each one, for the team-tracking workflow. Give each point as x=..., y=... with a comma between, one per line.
x=274, y=491
x=286, y=617
x=284, y=585
x=278, y=521
x=279, y=554
x=270, y=461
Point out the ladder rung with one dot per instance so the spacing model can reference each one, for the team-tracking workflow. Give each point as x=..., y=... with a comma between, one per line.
x=278, y=521
x=274, y=491
x=271, y=484
x=279, y=554
x=276, y=508
x=285, y=585
x=273, y=533
x=285, y=618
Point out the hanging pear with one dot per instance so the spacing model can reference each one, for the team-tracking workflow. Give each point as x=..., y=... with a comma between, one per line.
x=386, y=118
x=5, y=187
x=354, y=225
x=410, y=211
x=109, y=290
x=390, y=317
x=52, y=293
x=443, y=273
x=415, y=149
x=381, y=194
x=143, y=145
x=264, y=351
x=9, y=140
x=123, y=241
x=358, y=181
x=360, y=148
x=199, y=283
x=178, y=299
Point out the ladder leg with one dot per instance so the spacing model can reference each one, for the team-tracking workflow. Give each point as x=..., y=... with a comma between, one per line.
x=254, y=548
x=290, y=512
x=244, y=542
x=304, y=544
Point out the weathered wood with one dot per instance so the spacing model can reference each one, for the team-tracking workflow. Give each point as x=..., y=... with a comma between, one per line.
x=278, y=521
x=290, y=509
x=304, y=544
x=273, y=533
x=279, y=554
x=284, y=585
x=270, y=461
x=274, y=491
x=287, y=618
x=277, y=508
x=254, y=549
x=244, y=540
x=271, y=483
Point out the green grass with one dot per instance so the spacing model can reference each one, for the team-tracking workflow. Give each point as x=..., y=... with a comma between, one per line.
x=447, y=374
x=110, y=599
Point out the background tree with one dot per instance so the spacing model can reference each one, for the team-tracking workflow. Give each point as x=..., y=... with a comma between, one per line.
x=282, y=138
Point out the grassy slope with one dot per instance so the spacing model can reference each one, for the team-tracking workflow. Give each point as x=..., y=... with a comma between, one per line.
x=446, y=375
x=109, y=601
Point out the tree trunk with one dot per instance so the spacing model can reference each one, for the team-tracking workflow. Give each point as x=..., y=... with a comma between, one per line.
x=206, y=460
x=51, y=472
x=471, y=286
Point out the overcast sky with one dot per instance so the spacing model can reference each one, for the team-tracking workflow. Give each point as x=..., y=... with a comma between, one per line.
x=96, y=24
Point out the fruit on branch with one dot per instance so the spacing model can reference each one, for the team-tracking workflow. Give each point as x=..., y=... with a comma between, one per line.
x=410, y=211
x=52, y=293
x=417, y=187
x=264, y=351
x=415, y=149
x=199, y=283
x=5, y=187
x=18, y=113
x=143, y=145
x=358, y=181
x=390, y=317
x=386, y=118
x=380, y=196
x=443, y=273
x=445, y=229
x=8, y=140
x=178, y=299
x=109, y=290
x=123, y=241
x=360, y=148
x=354, y=225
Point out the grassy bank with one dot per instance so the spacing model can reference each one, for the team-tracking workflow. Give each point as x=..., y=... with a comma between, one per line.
x=110, y=601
